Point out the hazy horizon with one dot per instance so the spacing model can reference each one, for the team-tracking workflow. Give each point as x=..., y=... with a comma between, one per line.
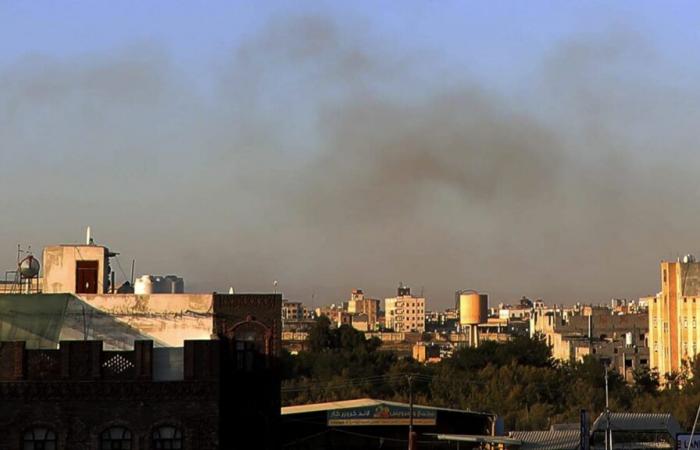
x=541, y=149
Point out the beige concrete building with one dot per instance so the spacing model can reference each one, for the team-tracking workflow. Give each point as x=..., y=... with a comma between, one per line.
x=76, y=269
x=673, y=316
x=405, y=312
x=359, y=304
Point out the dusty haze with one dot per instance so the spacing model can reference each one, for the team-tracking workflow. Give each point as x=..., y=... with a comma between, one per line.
x=328, y=161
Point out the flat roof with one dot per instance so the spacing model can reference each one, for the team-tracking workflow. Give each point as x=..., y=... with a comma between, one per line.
x=365, y=402
x=479, y=439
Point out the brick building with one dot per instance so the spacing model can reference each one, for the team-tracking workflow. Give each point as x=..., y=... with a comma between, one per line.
x=208, y=394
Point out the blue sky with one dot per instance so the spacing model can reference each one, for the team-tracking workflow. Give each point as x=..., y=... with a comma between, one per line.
x=498, y=41
x=340, y=145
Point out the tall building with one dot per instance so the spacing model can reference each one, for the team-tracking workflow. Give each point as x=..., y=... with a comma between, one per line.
x=359, y=304
x=405, y=312
x=673, y=313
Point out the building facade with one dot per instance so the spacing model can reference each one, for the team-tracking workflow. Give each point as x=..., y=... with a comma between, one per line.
x=208, y=394
x=405, y=312
x=361, y=305
x=673, y=316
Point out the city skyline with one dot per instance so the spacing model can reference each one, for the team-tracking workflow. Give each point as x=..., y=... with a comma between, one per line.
x=544, y=150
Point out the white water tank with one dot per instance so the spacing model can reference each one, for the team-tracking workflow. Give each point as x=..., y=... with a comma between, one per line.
x=156, y=284
x=143, y=285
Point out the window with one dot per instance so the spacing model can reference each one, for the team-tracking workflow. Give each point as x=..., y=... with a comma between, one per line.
x=245, y=356
x=167, y=438
x=39, y=438
x=115, y=438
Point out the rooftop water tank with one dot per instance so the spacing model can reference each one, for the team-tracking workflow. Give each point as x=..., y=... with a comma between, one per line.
x=175, y=285
x=143, y=285
x=473, y=307
x=29, y=267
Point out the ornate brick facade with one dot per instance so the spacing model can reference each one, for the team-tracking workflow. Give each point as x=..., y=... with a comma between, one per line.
x=229, y=391
x=250, y=330
x=79, y=391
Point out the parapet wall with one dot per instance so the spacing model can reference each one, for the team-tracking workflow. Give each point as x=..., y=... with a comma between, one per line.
x=87, y=361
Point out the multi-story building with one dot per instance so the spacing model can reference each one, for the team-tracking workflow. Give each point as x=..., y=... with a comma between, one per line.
x=442, y=321
x=361, y=305
x=292, y=311
x=405, y=312
x=673, y=316
x=336, y=314
x=617, y=339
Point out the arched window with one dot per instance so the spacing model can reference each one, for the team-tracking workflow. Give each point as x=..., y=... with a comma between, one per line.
x=115, y=438
x=39, y=438
x=250, y=348
x=167, y=437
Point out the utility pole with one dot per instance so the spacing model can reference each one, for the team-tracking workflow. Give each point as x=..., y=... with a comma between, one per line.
x=608, y=431
x=411, y=443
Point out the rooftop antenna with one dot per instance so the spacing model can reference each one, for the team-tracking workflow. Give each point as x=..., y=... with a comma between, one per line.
x=88, y=237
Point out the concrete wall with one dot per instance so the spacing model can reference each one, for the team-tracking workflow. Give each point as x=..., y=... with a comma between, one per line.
x=59, y=264
x=167, y=319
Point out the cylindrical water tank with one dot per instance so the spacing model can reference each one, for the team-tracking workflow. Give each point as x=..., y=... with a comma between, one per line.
x=175, y=285
x=143, y=285
x=29, y=267
x=160, y=285
x=628, y=339
x=473, y=307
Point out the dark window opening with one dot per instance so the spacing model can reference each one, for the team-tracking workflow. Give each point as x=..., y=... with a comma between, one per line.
x=167, y=437
x=39, y=438
x=115, y=438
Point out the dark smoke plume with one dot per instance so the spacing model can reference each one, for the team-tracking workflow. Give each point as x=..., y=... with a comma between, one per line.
x=326, y=161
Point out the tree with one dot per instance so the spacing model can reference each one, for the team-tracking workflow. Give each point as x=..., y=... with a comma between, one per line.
x=645, y=381
x=320, y=337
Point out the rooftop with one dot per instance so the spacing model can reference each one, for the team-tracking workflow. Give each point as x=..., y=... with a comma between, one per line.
x=548, y=440
x=360, y=403
x=641, y=422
